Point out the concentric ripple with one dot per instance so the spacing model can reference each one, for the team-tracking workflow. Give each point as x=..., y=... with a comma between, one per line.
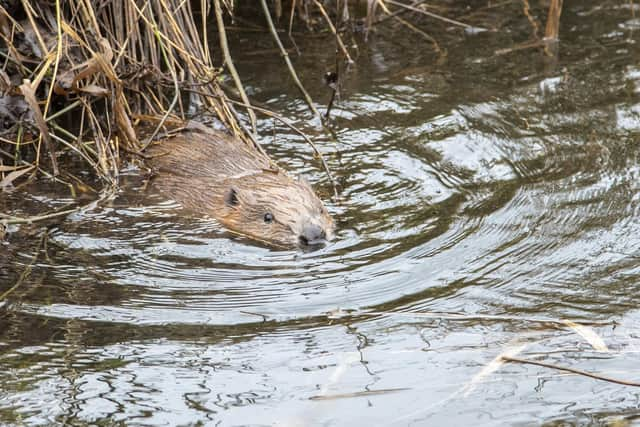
x=468, y=195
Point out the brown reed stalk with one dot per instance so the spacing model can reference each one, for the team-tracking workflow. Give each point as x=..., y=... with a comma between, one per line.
x=552, y=29
x=110, y=62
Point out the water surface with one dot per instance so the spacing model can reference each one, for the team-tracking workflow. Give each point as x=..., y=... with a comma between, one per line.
x=484, y=199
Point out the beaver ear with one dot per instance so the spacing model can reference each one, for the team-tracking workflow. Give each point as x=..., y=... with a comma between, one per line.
x=231, y=197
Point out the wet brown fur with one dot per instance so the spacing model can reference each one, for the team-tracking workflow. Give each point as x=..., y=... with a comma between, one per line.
x=209, y=172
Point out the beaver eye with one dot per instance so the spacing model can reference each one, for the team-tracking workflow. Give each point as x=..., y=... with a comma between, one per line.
x=268, y=217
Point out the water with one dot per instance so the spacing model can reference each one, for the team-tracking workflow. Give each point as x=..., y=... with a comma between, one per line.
x=485, y=200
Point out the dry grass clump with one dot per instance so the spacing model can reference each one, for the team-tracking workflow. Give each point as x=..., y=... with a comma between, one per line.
x=78, y=75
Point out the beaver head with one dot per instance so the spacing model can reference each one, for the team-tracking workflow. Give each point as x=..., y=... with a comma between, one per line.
x=275, y=209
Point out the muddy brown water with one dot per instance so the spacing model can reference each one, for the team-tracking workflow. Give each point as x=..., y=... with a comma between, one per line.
x=485, y=199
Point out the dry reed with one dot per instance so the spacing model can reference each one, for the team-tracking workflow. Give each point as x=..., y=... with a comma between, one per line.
x=108, y=64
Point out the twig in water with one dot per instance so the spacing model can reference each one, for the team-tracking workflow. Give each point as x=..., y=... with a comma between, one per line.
x=398, y=12
x=589, y=336
x=222, y=34
x=523, y=46
x=7, y=219
x=430, y=14
x=491, y=367
x=365, y=393
x=332, y=80
x=285, y=55
x=572, y=370
x=463, y=317
x=293, y=42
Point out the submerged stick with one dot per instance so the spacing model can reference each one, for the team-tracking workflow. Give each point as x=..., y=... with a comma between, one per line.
x=522, y=46
x=285, y=55
x=222, y=34
x=453, y=316
x=491, y=367
x=572, y=370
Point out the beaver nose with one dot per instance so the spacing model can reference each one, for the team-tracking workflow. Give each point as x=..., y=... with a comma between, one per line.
x=312, y=234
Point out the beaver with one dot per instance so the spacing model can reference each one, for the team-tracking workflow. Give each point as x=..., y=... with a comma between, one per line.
x=210, y=172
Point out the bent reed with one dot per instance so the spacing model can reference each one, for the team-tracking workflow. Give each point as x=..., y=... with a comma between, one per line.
x=79, y=76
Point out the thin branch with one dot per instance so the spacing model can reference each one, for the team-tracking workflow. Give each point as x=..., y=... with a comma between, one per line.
x=291, y=39
x=176, y=95
x=412, y=27
x=430, y=14
x=398, y=12
x=334, y=31
x=523, y=46
x=7, y=219
x=285, y=55
x=224, y=46
x=572, y=370
x=364, y=393
x=463, y=317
